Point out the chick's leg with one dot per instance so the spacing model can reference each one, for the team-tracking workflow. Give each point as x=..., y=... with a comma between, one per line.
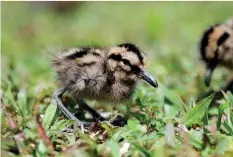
x=94, y=113
x=57, y=96
x=117, y=121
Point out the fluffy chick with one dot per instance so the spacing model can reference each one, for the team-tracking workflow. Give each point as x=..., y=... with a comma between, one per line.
x=108, y=74
x=216, y=48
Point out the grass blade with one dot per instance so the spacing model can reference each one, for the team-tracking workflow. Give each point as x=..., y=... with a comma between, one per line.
x=114, y=147
x=230, y=108
x=141, y=149
x=174, y=98
x=221, y=109
x=228, y=128
x=196, y=113
x=205, y=119
x=22, y=101
x=49, y=115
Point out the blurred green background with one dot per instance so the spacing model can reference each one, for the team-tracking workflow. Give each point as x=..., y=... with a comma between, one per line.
x=168, y=32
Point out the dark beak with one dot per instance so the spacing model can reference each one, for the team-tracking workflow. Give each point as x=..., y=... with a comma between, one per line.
x=209, y=72
x=143, y=74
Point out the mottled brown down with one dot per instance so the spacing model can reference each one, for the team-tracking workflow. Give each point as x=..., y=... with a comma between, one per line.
x=100, y=73
x=225, y=49
x=216, y=48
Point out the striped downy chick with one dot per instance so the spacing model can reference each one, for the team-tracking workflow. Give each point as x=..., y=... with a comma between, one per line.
x=81, y=70
x=108, y=74
x=216, y=48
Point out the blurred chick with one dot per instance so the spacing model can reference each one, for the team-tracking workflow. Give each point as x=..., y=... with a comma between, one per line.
x=108, y=74
x=216, y=48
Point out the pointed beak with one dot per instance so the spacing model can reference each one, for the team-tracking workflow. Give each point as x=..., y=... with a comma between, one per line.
x=143, y=74
x=209, y=72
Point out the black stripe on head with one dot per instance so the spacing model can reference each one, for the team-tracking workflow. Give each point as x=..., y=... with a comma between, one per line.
x=78, y=54
x=118, y=58
x=83, y=51
x=95, y=54
x=115, y=57
x=204, y=42
x=131, y=47
x=223, y=38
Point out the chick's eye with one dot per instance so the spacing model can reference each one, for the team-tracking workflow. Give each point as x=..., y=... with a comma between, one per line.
x=126, y=62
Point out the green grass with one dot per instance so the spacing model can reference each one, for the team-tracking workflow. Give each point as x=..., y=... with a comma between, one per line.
x=168, y=121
